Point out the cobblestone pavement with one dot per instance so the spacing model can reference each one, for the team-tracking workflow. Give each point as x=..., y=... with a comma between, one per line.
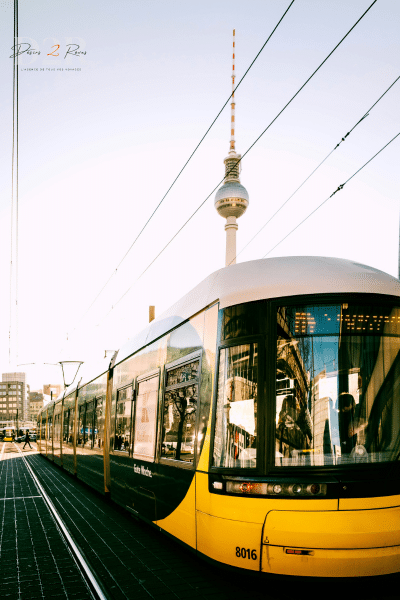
x=138, y=562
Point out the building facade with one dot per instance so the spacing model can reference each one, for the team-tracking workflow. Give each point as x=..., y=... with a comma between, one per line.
x=35, y=405
x=13, y=399
x=51, y=391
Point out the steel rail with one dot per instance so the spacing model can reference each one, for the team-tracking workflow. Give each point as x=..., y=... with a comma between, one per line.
x=86, y=571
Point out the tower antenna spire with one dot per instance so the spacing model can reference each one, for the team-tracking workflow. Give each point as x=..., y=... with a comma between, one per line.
x=232, y=144
x=232, y=199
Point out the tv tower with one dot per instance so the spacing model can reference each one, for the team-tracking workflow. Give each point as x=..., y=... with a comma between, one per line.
x=232, y=199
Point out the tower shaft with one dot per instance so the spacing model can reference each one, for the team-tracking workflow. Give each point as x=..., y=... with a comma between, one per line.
x=231, y=228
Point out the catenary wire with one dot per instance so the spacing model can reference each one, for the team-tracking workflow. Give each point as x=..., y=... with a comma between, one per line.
x=340, y=187
x=187, y=162
x=247, y=151
x=316, y=169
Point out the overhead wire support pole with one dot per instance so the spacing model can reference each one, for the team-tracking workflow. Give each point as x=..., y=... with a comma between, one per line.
x=316, y=168
x=339, y=188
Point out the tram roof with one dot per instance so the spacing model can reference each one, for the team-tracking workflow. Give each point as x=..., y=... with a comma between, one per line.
x=267, y=279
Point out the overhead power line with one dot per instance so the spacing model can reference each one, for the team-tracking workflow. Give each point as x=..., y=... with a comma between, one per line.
x=243, y=155
x=187, y=162
x=340, y=187
x=316, y=168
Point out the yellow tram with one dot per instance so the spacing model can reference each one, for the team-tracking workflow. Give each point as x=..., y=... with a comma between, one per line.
x=8, y=435
x=257, y=421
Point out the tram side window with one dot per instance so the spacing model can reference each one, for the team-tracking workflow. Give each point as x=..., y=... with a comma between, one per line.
x=179, y=417
x=236, y=417
x=43, y=427
x=57, y=427
x=89, y=425
x=66, y=425
x=98, y=425
x=70, y=431
x=81, y=426
x=146, y=418
x=123, y=419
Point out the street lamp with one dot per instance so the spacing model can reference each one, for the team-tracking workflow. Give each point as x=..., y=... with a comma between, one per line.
x=70, y=370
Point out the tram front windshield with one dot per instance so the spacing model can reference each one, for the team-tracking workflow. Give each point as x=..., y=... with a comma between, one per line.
x=337, y=394
x=338, y=384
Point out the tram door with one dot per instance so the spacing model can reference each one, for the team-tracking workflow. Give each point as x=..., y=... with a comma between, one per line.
x=120, y=446
x=122, y=439
x=144, y=446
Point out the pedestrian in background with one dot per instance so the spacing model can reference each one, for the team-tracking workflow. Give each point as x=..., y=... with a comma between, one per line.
x=27, y=440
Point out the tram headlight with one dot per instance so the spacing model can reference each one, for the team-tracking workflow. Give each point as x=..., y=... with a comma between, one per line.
x=255, y=488
x=297, y=489
x=250, y=488
x=316, y=489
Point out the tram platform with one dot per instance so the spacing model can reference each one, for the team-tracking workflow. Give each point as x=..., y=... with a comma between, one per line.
x=34, y=560
x=133, y=560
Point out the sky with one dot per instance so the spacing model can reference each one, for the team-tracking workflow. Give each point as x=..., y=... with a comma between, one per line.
x=104, y=133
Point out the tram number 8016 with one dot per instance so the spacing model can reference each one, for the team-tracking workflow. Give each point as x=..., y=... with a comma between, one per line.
x=246, y=553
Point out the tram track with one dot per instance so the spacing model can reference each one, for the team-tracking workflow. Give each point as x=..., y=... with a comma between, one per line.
x=88, y=575
x=27, y=504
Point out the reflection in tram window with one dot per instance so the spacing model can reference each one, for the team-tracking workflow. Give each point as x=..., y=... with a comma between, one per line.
x=66, y=424
x=98, y=424
x=43, y=429
x=146, y=418
x=49, y=426
x=89, y=425
x=180, y=406
x=236, y=422
x=123, y=420
x=57, y=426
x=337, y=382
x=71, y=425
x=81, y=426
x=240, y=320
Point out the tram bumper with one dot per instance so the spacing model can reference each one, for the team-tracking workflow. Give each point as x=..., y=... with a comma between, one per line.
x=351, y=543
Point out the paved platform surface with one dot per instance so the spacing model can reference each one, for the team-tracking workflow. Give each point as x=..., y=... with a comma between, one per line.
x=34, y=560
x=134, y=560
